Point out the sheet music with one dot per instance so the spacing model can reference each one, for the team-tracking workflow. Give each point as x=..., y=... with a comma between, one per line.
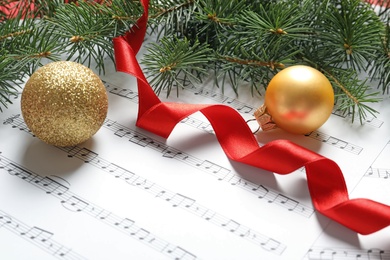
x=129, y=194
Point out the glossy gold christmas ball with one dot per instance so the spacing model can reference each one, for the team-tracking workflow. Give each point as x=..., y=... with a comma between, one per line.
x=64, y=103
x=300, y=99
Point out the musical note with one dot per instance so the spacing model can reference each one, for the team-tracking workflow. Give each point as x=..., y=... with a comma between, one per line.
x=108, y=122
x=141, y=234
x=37, y=233
x=260, y=187
x=225, y=174
x=140, y=140
x=373, y=121
x=171, y=154
x=384, y=173
x=235, y=181
x=160, y=194
x=146, y=184
x=239, y=106
x=245, y=109
x=321, y=136
x=126, y=93
x=326, y=253
x=290, y=204
x=204, y=165
x=142, y=182
x=213, y=168
x=62, y=252
x=209, y=215
x=272, y=245
x=369, y=120
x=5, y=219
x=380, y=168
x=2, y=164
x=246, y=233
x=102, y=214
x=180, y=200
x=86, y=155
x=207, y=166
x=50, y=185
x=369, y=172
x=201, y=92
x=74, y=204
x=19, y=172
x=121, y=132
x=125, y=223
x=206, y=127
x=377, y=254
x=37, y=236
x=335, y=142
x=17, y=123
x=216, y=170
x=119, y=172
x=249, y=234
x=231, y=225
x=184, y=120
x=110, y=167
x=261, y=191
x=157, y=146
x=11, y=119
x=179, y=253
x=218, y=97
x=378, y=173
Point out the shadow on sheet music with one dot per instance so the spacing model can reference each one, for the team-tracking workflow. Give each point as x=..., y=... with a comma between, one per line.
x=278, y=134
x=51, y=160
x=337, y=232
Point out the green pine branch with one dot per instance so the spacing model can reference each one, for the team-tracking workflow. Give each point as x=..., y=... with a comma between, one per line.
x=380, y=65
x=176, y=62
x=352, y=95
x=8, y=79
x=238, y=41
x=253, y=40
x=81, y=32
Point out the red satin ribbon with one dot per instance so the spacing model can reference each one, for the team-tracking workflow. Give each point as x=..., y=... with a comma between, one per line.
x=324, y=177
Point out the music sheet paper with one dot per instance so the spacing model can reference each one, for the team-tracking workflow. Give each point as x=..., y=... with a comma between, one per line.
x=129, y=194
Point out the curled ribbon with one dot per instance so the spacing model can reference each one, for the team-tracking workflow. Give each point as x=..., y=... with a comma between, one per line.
x=325, y=180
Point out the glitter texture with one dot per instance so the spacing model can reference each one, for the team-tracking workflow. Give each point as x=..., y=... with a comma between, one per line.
x=64, y=103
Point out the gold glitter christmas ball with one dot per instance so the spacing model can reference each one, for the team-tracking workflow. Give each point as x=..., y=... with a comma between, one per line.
x=64, y=103
x=300, y=99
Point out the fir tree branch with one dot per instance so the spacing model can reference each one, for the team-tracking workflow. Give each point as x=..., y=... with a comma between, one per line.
x=355, y=104
x=349, y=34
x=351, y=93
x=174, y=62
x=9, y=79
x=172, y=7
x=238, y=41
x=256, y=63
x=172, y=17
x=86, y=30
x=275, y=22
x=380, y=66
x=36, y=30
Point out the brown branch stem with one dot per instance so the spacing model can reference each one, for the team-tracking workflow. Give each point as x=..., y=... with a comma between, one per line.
x=163, y=11
x=270, y=64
